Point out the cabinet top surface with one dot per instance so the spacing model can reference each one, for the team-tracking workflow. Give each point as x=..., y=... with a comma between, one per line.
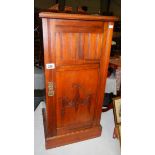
x=53, y=15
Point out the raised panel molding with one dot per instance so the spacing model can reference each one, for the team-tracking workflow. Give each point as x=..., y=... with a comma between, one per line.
x=72, y=48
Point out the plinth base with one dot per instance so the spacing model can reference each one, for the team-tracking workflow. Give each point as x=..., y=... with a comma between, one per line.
x=60, y=140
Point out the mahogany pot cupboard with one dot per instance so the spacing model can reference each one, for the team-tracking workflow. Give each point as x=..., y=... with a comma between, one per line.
x=76, y=55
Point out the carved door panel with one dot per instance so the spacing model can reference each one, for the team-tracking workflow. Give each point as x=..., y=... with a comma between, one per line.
x=76, y=96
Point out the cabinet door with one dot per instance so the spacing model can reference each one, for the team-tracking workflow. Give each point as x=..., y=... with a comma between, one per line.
x=76, y=96
x=78, y=47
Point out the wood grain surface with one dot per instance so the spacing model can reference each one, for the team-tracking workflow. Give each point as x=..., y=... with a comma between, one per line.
x=79, y=46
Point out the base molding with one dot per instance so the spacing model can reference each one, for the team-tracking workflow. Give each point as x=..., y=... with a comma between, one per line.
x=81, y=135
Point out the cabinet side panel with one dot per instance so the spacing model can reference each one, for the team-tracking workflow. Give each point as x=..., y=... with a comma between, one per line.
x=49, y=57
x=104, y=62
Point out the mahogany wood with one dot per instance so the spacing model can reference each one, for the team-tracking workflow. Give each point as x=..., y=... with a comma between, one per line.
x=77, y=16
x=79, y=46
x=72, y=137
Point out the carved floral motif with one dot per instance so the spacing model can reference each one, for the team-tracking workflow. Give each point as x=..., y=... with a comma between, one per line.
x=77, y=100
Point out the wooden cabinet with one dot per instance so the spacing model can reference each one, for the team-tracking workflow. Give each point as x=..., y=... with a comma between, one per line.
x=76, y=56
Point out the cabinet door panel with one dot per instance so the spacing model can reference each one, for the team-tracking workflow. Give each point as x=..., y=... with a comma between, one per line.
x=78, y=48
x=76, y=95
